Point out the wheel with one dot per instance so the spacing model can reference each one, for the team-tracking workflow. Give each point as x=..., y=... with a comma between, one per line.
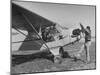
x=57, y=59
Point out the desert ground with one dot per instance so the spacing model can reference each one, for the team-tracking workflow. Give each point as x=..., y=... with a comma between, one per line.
x=42, y=63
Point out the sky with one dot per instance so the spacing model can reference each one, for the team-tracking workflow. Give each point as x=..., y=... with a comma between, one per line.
x=64, y=14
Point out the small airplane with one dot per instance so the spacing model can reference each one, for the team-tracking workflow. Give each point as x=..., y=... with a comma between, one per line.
x=27, y=29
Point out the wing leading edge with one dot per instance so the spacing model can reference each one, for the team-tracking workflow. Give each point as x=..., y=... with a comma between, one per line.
x=23, y=19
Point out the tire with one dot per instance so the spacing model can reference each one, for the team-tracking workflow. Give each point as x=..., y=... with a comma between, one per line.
x=57, y=59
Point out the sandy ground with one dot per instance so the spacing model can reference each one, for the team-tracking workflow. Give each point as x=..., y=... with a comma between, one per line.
x=46, y=65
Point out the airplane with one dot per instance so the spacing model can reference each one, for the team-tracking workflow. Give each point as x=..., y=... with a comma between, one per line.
x=27, y=29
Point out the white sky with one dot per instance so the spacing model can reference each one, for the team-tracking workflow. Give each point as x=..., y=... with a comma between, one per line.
x=64, y=14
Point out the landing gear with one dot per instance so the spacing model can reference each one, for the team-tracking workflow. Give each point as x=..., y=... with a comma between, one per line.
x=61, y=51
x=58, y=58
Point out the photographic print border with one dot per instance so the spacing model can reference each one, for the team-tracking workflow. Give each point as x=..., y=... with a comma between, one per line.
x=50, y=3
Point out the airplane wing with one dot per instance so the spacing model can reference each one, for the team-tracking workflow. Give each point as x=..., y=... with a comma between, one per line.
x=22, y=18
x=25, y=20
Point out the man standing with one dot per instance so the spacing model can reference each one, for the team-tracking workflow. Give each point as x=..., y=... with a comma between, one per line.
x=87, y=43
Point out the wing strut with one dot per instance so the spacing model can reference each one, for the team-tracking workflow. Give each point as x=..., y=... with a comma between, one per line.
x=24, y=35
x=34, y=29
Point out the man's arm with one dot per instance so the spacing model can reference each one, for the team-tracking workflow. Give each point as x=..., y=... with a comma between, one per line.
x=82, y=28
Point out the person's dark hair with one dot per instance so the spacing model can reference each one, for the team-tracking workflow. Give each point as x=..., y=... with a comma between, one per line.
x=88, y=27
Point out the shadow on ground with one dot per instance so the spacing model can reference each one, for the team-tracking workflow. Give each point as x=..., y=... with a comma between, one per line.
x=19, y=59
